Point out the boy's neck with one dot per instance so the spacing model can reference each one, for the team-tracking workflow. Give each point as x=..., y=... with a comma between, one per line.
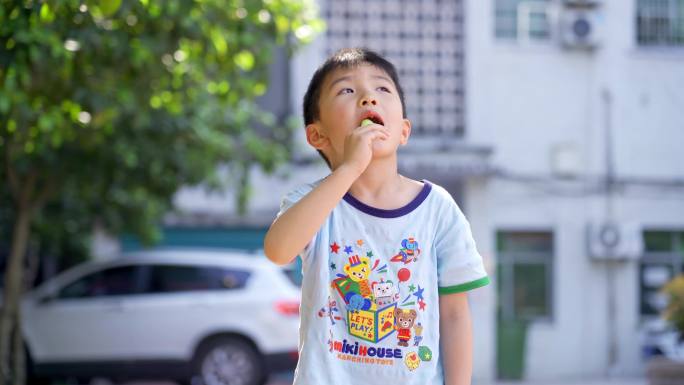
x=382, y=186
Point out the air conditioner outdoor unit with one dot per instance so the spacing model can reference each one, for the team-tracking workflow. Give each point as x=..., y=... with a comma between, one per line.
x=614, y=241
x=580, y=28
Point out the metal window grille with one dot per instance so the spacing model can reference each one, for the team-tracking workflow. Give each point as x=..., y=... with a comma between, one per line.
x=424, y=40
x=522, y=20
x=660, y=23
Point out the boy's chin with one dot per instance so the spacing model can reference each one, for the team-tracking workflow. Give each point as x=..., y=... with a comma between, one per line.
x=383, y=150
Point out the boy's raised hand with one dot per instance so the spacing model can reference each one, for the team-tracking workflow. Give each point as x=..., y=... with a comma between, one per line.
x=358, y=145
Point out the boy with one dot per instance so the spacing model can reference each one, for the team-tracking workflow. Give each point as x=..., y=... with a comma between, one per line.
x=386, y=259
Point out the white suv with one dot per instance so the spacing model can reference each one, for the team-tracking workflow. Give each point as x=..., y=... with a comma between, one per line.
x=193, y=316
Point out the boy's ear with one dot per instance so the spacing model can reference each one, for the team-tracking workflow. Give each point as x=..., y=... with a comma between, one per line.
x=316, y=138
x=405, y=131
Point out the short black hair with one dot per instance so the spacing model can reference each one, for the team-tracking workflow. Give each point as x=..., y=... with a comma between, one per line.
x=345, y=58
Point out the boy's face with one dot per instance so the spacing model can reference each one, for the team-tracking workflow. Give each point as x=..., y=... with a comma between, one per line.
x=347, y=97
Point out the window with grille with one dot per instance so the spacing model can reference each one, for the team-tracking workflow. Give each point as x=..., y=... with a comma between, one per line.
x=660, y=22
x=424, y=40
x=522, y=20
x=663, y=259
x=524, y=275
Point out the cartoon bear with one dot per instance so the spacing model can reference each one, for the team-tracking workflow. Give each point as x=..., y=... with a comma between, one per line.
x=404, y=322
x=358, y=270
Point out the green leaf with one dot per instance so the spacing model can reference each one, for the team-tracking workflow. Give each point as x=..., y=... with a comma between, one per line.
x=245, y=60
x=46, y=14
x=109, y=7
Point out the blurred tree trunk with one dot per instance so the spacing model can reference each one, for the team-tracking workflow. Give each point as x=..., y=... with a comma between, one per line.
x=19, y=358
x=9, y=318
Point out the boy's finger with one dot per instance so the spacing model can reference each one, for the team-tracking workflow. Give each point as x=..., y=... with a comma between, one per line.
x=371, y=128
x=372, y=135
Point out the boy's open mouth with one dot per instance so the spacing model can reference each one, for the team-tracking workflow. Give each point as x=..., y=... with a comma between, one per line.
x=374, y=117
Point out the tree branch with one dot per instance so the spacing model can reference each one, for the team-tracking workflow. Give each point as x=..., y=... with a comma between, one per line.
x=26, y=197
x=46, y=194
x=11, y=175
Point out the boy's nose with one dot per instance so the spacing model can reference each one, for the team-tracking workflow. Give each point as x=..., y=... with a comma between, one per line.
x=368, y=100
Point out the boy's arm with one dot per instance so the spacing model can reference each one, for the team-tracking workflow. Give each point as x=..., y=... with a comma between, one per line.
x=294, y=228
x=456, y=340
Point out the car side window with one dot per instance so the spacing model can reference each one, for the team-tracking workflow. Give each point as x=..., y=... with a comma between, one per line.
x=172, y=278
x=122, y=280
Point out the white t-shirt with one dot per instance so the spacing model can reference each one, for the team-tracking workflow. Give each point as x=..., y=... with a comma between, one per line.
x=371, y=280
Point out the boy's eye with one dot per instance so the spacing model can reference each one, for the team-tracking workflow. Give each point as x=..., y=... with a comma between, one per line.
x=346, y=91
x=384, y=89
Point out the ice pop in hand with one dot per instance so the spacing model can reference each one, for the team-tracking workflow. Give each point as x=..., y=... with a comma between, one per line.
x=366, y=122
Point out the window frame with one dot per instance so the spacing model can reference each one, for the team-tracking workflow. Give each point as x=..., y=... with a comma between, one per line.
x=523, y=33
x=137, y=291
x=506, y=261
x=148, y=272
x=644, y=41
x=672, y=258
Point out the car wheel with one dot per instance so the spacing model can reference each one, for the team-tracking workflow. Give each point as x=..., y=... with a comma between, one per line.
x=228, y=361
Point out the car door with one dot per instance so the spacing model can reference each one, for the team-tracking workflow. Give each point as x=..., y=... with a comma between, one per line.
x=86, y=320
x=179, y=305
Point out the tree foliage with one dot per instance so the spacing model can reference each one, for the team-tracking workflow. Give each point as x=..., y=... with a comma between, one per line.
x=120, y=102
x=107, y=107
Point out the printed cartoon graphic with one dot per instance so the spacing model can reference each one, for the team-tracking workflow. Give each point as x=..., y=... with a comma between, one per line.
x=404, y=322
x=355, y=302
x=371, y=325
x=331, y=342
x=365, y=319
x=330, y=310
x=372, y=293
x=385, y=293
x=412, y=361
x=358, y=269
x=359, y=295
x=424, y=353
x=409, y=251
x=418, y=330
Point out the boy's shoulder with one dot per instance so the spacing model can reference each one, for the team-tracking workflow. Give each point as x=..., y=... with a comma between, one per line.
x=304, y=188
x=440, y=193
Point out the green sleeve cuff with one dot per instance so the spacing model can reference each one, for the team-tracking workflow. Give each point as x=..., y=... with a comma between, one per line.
x=464, y=286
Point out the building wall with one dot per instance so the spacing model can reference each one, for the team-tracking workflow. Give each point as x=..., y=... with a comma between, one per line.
x=532, y=103
x=527, y=102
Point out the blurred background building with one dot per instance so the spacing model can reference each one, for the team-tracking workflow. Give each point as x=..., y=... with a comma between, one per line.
x=557, y=126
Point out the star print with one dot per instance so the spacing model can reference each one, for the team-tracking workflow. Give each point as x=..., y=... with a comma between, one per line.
x=419, y=293
x=412, y=288
x=421, y=304
x=427, y=356
x=369, y=254
x=359, y=242
x=334, y=247
x=348, y=249
x=332, y=266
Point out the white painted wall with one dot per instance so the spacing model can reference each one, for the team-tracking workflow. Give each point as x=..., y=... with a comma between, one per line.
x=524, y=101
